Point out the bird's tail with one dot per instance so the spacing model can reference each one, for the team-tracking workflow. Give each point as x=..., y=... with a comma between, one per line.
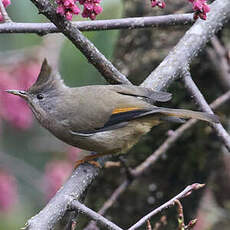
x=187, y=114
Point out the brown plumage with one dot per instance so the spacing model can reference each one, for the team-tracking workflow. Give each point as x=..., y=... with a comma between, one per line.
x=106, y=119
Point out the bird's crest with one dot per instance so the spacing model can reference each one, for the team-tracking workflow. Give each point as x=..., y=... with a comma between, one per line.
x=47, y=79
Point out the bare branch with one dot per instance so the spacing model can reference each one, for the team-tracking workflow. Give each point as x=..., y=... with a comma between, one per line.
x=104, y=66
x=191, y=224
x=200, y=100
x=189, y=46
x=218, y=57
x=113, y=198
x=76, y=205
x=161, y=223
x=98, y=25
x=4, y=14
x=121, y=188
x=187, y=191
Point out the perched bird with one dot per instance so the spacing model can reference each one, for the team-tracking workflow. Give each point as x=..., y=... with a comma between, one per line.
x=107, y=119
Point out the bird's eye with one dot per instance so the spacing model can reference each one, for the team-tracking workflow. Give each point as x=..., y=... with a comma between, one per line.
x=40, y=96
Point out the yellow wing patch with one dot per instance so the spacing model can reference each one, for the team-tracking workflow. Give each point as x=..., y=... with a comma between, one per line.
x=122, y=110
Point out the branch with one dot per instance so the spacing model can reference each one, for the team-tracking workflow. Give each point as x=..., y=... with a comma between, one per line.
x=189, y=46
x=111, y=24
x=104, y=66
x=200, y=100
x=218, y=57
x=76, y=205
x=187, y=191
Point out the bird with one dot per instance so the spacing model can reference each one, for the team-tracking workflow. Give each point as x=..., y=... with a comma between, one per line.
x=106, y=119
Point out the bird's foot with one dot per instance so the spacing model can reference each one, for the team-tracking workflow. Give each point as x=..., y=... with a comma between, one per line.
x=90, y=160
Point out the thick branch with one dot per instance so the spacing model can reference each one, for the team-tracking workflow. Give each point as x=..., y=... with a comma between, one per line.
x=104, y=66
x=189, y=46
x=199, y=98
x=111, y=24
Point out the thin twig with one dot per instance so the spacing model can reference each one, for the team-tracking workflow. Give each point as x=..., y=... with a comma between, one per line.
x=191, y=224
x=104, y=66
x=162, y=222
x=4, y=14
x=149, y=226
x=180, y=216
x=76, y=205
x=218, y=57
x=200, y=100
x=187, y=191
x=112, y=199
x=121, y=188
x=98, y=25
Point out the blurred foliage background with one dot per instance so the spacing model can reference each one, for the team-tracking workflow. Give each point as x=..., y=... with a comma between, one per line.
x=34, y=164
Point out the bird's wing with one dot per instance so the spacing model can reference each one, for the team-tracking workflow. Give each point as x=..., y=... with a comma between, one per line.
x=119, y=118
x=111, y=107
x=150, y=95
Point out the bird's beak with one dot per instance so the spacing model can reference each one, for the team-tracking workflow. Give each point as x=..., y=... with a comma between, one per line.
x=20, y=93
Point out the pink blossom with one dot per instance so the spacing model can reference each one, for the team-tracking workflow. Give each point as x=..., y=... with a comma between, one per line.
x=8, y=191
x=56, y=173
x=89, y=5
x=6, y=3
x=91, y=8
x=206, y=8
x=75, y=9
x=61, y=10
x=159, y=3
x=201, y=8
x=68, y=8
x=69, y=15
x=97, y=9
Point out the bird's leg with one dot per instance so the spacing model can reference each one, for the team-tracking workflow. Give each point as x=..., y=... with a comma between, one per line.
x=90, y=159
